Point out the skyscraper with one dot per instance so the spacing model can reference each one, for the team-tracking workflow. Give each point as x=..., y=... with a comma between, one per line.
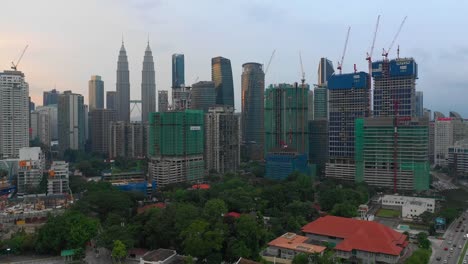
x=14, y=113
x=51, y=111
x=96, y=93
x=111, y=100
x=148, y=86
x=40, y=127
x=100, y=121
x=325, y=70
x=320, y=103
x=123, y=86
x=71, y=121
x=253, y=86
x=419, y=104
x=203, y=95
x=163, y=101
x=50, y=97
x=221, y=75
x=178, y=72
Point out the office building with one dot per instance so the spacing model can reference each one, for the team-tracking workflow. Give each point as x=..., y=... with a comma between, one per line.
x=40, y=127
x=221, y=75
x=222, y=146
x=395, y=87
x=71, y=121
x=148, y=86
x=51, y=111
x=443, y=139
x=348, y=100
x=253, y=87
x=325, y=70
x=397, y=162
x=281, y=162
x=32, y=105
x=176, y=147
x=14, y=113
x=310, y=107
x=123, y=86
x=163, y=101
x=86, y=121
x=178, y=70
x=458, y=159
x=111, y=100
x=128, y=140
x=31, y=165
x=318, y=145
x=419, y=102
x=320, y=103
x=427, y=114
x=96, y=93
x=203, y=95
x=50, y=97
x=431, y=141
x=58, y=178
x=100, y=131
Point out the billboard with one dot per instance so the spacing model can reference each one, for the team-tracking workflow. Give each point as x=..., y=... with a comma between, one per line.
x=396, y=67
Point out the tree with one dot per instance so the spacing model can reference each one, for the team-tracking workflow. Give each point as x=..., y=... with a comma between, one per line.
x=300, y=258
x=424, y=243
x=214, y=210
x=419, y=256
x=427, y=217
x=119, y=251
x=199, y=240
x=344, y=209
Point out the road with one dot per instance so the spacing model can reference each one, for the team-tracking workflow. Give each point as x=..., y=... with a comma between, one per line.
x=453, y=240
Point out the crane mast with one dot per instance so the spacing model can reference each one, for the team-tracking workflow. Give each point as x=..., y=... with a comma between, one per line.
x=385, y=53
x=14, y=66
x=340, y=63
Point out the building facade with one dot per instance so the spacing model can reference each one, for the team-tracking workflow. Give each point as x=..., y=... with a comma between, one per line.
x=443, y=139
x=222, y=146
x=178, y=70
x=96, y=93
x=51, y=111
x=31, y=166
x=111, y=98
x=163, y=101
x=419, y=103
x=221, y=75
x=71, y=121
x=58, y=178
x=181, y=98
x=40, y=127
x=320, y=103
x=458, y=159
x=409, y=206
x=203, y=95
x=325, y=70
x=123, y=86
x=281, y=162
x=50, y=97
x=128, y=140
x=148, y=86
x=100, y=131
x=318, y=145
x=14, y=113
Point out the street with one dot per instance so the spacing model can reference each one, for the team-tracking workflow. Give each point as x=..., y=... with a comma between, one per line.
x=450, y=248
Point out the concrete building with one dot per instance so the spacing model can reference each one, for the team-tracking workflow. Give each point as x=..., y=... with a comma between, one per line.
x=427, y=114
x=178, y=70
x=128, y=140
x=176, y=147
x=51, y=111
x=222, y=146
x=458, y=159
x=181, y=98
x=409, y=206
x=203, y=95
x=325, y=70
x=148, y=86
x=253, y=87
x=419, y=104
x=398, y=162
x=320, y=103
x=71, y=121
x=14, y=113
x=111, y=100
x=283, y=249
x=357, y=241
x=58, y=178
x=100, y=130
x=395, y=87
x=310, y=107
x=96, y=93
x=318, y=145
x=163, y=101
x=86, y=122
x=162, y=256
x=431, y=141
x=221, y=75
x=123, y=86
x=349, y=97
x=50, y=97
x=281, y=162
x=443, y=139
x=31, y=166
x=40, y=127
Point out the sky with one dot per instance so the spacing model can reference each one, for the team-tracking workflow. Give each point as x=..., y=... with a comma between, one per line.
x=71, y=40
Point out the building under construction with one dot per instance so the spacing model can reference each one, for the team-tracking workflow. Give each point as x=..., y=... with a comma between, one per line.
x=389, y=160
x=349, y=99
x=176, y=147
x=128, y=140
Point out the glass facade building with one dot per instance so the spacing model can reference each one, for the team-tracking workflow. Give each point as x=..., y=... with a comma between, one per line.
x=221, y=75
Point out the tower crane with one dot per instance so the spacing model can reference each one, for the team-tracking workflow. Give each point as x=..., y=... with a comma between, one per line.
x=371, y=51
x=340, y=63
x=269, y=62
x=14, y=66
x=385, y=53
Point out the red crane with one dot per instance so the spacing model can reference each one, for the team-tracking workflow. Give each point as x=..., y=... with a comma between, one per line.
x=340, y=63
x=385, y=53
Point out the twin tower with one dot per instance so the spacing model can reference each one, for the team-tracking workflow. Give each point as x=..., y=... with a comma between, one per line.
x=148, y=86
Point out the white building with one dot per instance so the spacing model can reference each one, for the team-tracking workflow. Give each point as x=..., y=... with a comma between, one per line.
x=40, y=126
x=58, y=180
x=31, y=166
x=443, y=139
x=14, y=113
x=51, y=110
x=410, y=207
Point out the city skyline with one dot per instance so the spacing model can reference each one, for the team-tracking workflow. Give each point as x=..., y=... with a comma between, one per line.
x=52, y=49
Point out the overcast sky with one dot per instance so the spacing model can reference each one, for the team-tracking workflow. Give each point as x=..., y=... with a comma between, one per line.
x=71, y=40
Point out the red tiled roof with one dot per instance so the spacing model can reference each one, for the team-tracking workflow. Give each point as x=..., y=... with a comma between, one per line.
x=296, y=243
x=233, y=214
x=149, y=206
x=201, y=186
x=358, y=234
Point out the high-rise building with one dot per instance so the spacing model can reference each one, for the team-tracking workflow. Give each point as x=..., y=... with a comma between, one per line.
x=31, y=165
x=253, y=87
x=325, y=70
x=71, y=121
x=221, y=75
x=431, y=141
x=458, y=158
x=32, y=105
x=376, y=154
x=14, y=113
x=438, y=115
x=96, y=93
x=51, y=111
x=111, y=100
x=427, y=114
x=181, y=98
x=419, y=102
x=100, y=122
x=280, y=163
x=163, y=101
x=443, y=139
x=178, y=72
x=395, y=87
x=57, y=181
x=310, y=107
x=176, y=147
x=148, y=86
x=86, y=121
x=40, y=127
x=318, y=144
x=123, y=86
x=348, y=100
x=320, y=103
x=128, y=140
x=203, y=95
x=222, y=146
x=50, y=97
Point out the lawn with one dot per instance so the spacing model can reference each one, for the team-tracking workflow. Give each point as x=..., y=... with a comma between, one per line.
x=462, y=255
x=388, y=213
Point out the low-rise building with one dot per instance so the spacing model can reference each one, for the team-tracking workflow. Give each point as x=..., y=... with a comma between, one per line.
x=162, y=256
x=357, y=240
x=31, y=165
x=58, y=180
x=410, y=207
x=284, y=248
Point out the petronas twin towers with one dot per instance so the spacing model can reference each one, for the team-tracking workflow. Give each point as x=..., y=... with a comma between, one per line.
x=148, y=86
